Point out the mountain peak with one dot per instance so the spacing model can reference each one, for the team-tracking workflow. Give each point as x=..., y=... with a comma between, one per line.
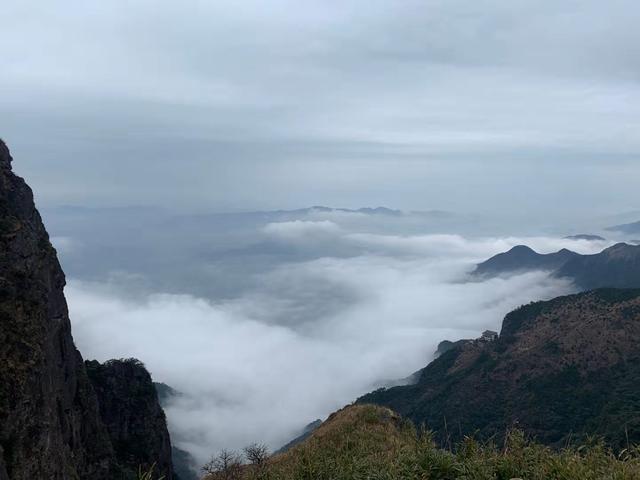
x=622, y=251
x=522, y=249
x=5, y=155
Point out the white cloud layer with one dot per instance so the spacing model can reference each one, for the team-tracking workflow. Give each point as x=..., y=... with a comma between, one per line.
x=313, y=335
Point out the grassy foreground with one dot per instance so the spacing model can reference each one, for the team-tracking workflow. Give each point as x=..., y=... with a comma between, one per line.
x=365, y=442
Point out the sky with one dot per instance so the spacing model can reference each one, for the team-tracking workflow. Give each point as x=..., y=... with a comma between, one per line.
x=509, y=107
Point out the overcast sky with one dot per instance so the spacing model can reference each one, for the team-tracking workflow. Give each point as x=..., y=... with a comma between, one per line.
x=511, y=106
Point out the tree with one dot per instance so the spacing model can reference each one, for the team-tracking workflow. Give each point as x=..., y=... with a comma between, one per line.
x=227, y=465
x=257, y=454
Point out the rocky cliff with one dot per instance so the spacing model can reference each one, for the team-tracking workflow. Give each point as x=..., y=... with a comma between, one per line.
x=50, y=420
x=130, y=410
x=560, y=369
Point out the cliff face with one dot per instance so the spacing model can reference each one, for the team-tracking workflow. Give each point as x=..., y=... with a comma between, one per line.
x=130, y=410
x=563, y=368
x=52, y=424
x=49, y=422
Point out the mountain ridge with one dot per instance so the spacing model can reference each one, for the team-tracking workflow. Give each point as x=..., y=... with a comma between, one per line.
x=560, y=368
x=617, y=266
x=522, y=258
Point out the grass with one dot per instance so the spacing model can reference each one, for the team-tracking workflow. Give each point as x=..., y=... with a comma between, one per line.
x=148, y=474
x=365, y=442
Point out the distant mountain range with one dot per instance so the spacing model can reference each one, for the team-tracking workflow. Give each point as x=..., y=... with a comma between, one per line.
x=564, y=368
x=616, y=267
x=364, y=210
x=285, y=215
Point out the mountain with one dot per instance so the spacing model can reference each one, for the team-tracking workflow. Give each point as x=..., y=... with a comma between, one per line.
x=628, y=228
x=522, y=258
x=130, y=410
x=364, y=210
x=585, y=236
x=51, y=425
x=559, y=369
x=617, y=267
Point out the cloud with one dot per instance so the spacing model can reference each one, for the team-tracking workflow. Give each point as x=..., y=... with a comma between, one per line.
x=302, y=230
x=310, y=336
x=435, y=104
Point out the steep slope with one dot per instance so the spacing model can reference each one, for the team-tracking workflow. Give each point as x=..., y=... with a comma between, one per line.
x=562, y=368
x=52, y=423
x=522, y=258
x=49, y=422
x=130, y=410
x=616, y=267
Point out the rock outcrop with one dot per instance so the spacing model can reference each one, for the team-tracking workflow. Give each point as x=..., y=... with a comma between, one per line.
x=133, y=416
x=51, y=425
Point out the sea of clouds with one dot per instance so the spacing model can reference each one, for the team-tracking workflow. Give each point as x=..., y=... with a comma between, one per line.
x=335, y=312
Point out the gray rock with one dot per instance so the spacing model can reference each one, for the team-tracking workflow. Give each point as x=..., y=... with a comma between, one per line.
x=130, y=410
x=49, y=422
